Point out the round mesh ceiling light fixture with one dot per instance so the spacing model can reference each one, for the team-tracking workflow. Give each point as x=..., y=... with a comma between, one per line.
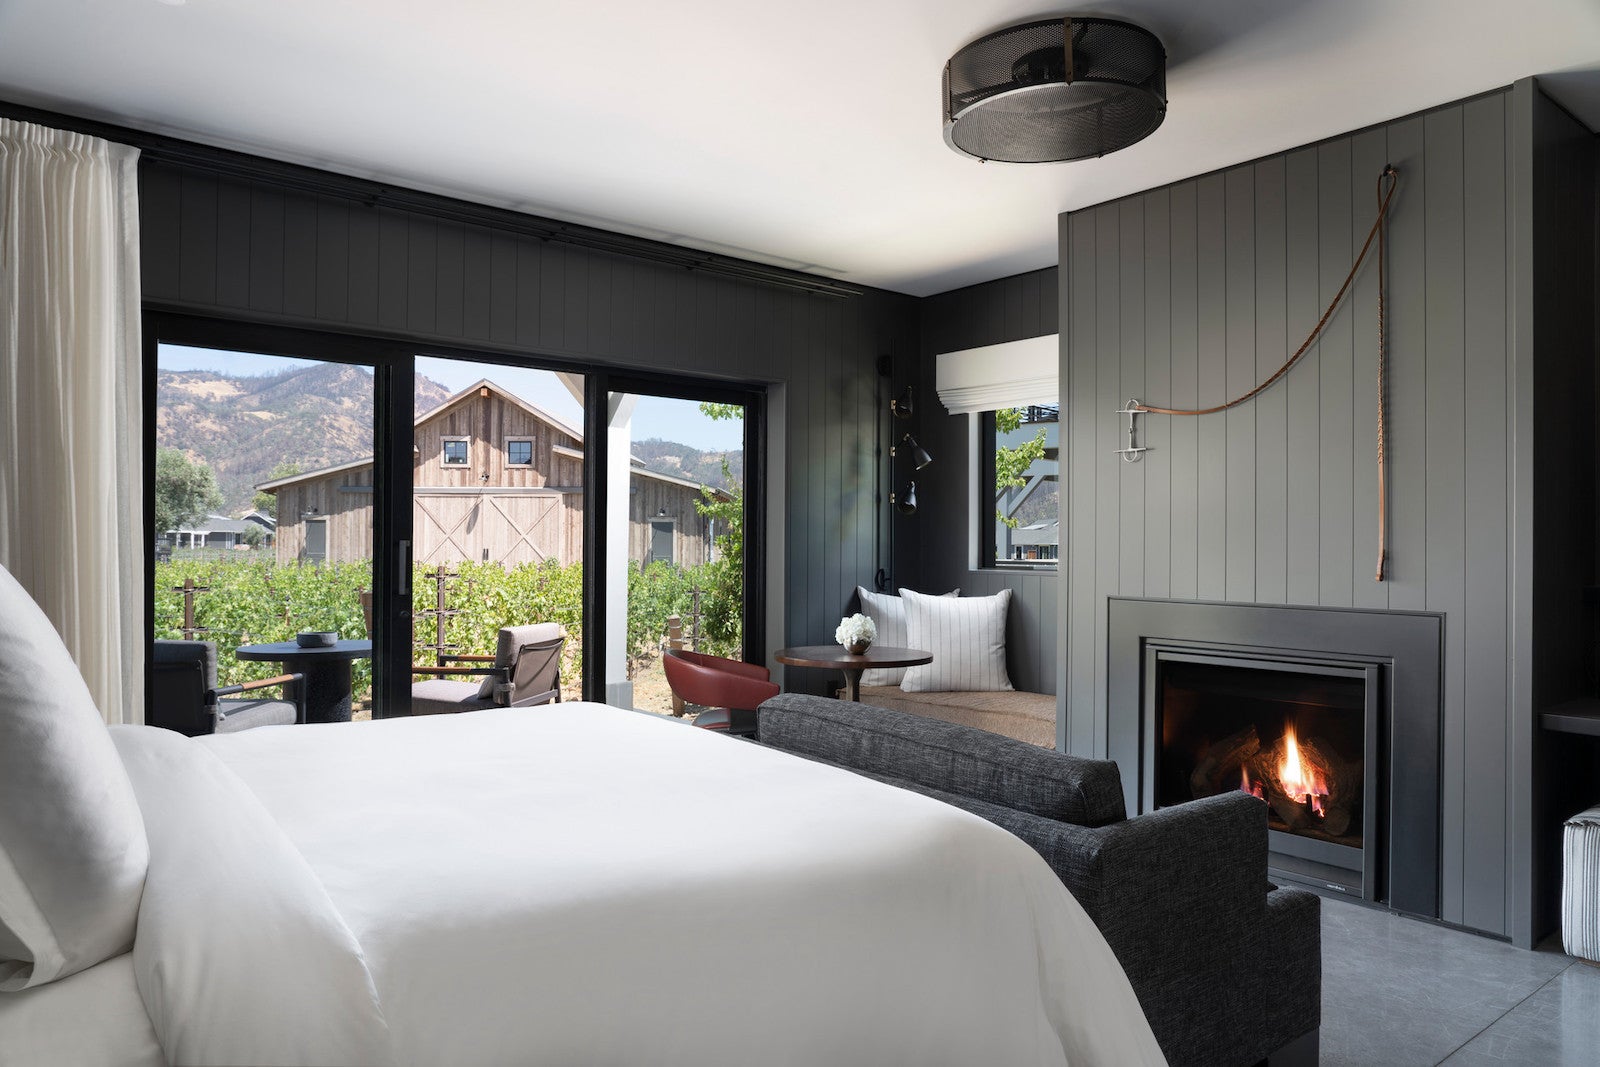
x=1055, y=90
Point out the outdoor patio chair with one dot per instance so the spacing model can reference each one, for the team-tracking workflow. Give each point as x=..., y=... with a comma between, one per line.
x=525, y=670
x=730, y=690
x=185, y=696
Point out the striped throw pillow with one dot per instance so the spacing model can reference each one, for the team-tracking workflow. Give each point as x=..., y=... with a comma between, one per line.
x=888, y=612
x=967, y=636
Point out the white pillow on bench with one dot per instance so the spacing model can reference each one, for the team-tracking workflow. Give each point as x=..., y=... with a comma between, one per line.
x=967, y=636
x=888, y=613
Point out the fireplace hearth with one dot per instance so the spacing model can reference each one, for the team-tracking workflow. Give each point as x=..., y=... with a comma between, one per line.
x=1331, y=716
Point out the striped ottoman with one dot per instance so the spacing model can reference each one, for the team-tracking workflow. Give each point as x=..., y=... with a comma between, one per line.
x=1580, y=886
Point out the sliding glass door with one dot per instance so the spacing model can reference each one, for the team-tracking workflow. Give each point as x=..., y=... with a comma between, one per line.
x=497, y=500
x=265, y=522
x=413, y=504
x=679, y=465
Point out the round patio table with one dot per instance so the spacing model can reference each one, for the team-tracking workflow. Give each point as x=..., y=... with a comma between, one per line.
x=835, y=657
x=326, y=669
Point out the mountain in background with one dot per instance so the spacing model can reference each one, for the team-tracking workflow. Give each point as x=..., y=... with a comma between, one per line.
x=243, y=427
x=320, y=415
x=686, y=461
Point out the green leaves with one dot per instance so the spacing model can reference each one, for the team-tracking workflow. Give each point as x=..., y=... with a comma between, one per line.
x=1011, y=464
x=185, y=491
x=249, y=601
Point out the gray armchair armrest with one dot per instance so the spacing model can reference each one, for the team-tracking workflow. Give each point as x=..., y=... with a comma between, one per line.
x=294, y=690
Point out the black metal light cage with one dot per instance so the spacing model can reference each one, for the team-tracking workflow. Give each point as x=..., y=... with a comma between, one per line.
x=1025, y=95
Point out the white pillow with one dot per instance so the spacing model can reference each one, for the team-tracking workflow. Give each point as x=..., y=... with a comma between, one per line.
x=967, y=637
x=888, y=612
x=73, y=850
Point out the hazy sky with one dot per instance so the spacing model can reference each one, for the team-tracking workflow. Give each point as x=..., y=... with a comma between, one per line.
x=672, y=420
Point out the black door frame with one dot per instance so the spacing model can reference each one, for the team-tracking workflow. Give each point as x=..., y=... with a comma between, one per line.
x=393, y=363
x=602, y=382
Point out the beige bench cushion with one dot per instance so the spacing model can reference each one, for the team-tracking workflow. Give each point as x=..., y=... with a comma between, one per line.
x=1029, y=717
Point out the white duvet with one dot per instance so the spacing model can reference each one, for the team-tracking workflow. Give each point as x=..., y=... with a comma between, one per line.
x=582, y=885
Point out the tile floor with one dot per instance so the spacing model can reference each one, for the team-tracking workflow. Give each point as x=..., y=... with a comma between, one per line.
x=1397, y=992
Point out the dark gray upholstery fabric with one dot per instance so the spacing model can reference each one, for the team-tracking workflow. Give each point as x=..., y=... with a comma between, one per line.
x=183, y=674
x=942, y=755
x=1226, y=967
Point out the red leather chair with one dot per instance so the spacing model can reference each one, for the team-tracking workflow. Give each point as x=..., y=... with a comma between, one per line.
x=730, y=690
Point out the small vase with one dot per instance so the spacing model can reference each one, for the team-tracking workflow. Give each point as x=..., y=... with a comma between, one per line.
x=856, y=648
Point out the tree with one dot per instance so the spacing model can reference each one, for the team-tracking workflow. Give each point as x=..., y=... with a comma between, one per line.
x=1011, y=464
x=268, y=502
x=185, y=491
x=722, y=606
x=253, y=535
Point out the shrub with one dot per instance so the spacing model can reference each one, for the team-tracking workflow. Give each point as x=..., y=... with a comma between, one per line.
x=252, y=600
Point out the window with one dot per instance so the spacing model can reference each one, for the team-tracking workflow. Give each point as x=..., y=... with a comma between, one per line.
x=1020, y=467
x=454, y=452
x=519, y=451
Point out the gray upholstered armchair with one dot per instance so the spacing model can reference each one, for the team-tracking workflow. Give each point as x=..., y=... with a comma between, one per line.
x=185, y=696
x=525, y=670
x=1227, y=967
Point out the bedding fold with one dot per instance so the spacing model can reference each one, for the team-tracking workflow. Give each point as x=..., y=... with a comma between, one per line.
x=240, y=956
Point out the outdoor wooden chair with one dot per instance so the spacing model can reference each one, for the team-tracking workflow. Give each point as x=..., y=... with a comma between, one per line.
x=525, y=670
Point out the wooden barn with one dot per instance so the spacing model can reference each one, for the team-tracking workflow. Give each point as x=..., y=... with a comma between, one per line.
x=494, y=479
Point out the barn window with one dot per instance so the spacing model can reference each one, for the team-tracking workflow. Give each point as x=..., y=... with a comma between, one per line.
x=455, y=452
x=519, y=452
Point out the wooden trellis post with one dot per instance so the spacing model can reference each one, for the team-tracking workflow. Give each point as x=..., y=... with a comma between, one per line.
x=189, y=589
x=440, y=614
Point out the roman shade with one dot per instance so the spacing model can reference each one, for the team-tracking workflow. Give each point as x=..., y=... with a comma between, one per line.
x=1010, y=375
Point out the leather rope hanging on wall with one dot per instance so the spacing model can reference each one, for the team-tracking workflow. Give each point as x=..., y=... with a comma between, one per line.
x=1388, y=182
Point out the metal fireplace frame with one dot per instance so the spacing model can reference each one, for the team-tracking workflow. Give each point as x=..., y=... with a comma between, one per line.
x=1409, y=643
x=1293, y=857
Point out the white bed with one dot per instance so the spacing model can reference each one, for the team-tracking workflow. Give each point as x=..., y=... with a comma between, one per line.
x=563, y=885
x=577, y=885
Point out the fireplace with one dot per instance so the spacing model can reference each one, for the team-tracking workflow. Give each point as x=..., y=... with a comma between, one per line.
x=1297, y=733
x=1331, y=715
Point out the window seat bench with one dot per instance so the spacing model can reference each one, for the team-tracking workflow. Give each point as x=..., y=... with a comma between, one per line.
x=1029, y=717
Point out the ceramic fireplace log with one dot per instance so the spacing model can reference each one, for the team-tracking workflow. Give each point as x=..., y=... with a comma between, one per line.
x=1218, y=770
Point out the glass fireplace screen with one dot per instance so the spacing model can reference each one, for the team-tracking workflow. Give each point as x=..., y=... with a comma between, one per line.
x=1291, y=734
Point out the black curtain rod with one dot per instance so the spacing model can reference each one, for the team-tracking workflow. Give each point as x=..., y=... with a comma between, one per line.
x=164, y=150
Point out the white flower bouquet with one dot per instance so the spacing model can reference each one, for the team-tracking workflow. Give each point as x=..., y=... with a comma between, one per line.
x=856, y=633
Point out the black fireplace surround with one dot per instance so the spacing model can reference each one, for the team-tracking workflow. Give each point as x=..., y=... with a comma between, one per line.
x=1376, y=679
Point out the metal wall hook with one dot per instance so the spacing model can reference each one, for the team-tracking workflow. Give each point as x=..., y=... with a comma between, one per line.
x=1134, y=452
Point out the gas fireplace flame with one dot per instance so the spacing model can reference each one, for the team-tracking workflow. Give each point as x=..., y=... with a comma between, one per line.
x=1297, y=778
x=1300, y=783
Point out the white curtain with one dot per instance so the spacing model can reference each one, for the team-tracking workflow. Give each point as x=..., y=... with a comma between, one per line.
x=71, y=438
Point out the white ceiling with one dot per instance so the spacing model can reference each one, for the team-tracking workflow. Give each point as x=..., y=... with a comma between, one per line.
x=806, y=135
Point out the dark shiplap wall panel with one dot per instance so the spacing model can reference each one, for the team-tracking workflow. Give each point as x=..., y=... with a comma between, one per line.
x=255, y=252
x=1563, y=293
x=1194, y=293
x=932, y=545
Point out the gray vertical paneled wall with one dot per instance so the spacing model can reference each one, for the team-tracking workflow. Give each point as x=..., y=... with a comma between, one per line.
x=1191, y=294
x=257, y=252
x=938, y=536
